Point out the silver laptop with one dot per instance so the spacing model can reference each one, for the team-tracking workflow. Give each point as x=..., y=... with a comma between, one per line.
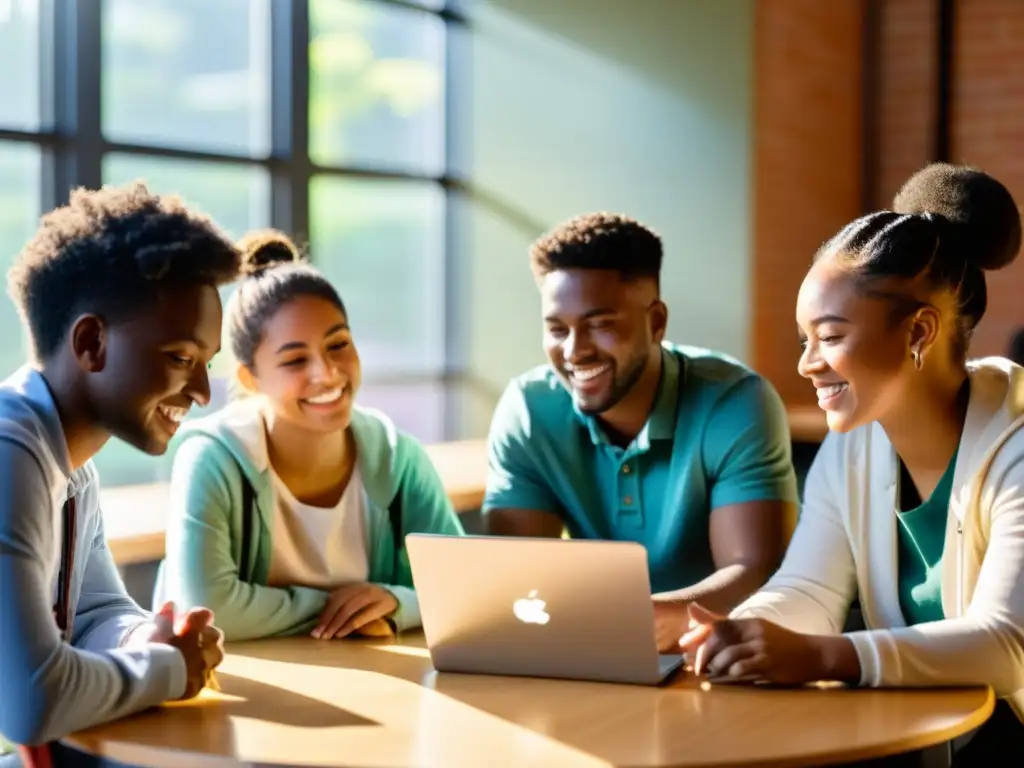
x=571, y=609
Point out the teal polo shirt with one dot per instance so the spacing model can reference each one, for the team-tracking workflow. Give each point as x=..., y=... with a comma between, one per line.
x=718, y=435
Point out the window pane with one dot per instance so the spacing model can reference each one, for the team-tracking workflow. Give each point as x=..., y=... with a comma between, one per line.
x=382, y=245
x=188, y=73
x=236, y=196
x=238, y=199
x=376, y=86
x=19, y=64
x=20, y=173
x=419, y=408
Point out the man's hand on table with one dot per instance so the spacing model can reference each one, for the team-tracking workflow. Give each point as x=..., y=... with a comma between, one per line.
x=670, y=622
x=198, y=640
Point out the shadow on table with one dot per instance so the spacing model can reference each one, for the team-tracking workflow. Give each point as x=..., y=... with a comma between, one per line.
x=261, y=701
x=205, y=723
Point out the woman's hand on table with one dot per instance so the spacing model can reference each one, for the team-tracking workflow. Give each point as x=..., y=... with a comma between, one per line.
x=356, y=608
x=376, y=628
x=756, y=650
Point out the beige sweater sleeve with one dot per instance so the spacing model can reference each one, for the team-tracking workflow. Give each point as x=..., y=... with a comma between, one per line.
x=986, y=644
x=813, y=588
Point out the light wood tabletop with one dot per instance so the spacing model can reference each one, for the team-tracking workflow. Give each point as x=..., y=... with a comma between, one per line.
x=366, y=703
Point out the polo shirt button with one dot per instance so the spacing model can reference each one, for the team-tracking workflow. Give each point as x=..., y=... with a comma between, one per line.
x=628, y=500
x=626, y=470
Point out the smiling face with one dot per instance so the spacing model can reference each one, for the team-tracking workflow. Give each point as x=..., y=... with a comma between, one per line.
x=307, y=366
x=856, y=357
x=153, y=366
x=600, y=333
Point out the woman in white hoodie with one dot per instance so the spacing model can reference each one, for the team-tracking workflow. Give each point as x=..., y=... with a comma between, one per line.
x=915, y=501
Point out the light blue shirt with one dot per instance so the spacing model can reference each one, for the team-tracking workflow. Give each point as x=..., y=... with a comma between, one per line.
x=718, y=435
x=48, y=687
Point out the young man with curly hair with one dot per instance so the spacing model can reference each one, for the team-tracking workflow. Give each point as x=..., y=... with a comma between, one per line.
x=118, y=291
x=625, y=436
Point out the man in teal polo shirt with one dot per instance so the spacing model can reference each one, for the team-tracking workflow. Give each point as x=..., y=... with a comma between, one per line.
x=627, y=437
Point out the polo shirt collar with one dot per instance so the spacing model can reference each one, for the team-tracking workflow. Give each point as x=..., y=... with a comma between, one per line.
x=661, y=424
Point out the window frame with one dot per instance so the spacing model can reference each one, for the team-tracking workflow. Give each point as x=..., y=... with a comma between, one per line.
x=73, y=146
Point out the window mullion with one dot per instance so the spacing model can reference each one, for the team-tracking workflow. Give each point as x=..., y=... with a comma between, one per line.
x=71, y=97
x=289, y=126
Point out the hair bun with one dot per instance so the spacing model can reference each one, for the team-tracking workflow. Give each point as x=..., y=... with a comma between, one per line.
x=265, y=250
x=982, y=208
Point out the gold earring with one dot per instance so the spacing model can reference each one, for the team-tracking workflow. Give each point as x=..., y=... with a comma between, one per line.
x=916, y=354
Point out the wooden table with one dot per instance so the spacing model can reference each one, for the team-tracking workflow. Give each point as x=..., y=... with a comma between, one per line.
x=345, y=703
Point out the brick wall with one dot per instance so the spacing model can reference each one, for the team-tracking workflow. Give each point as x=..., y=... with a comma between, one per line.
x=906, y=74
x=807, y=162
x=818, y=163
x=987, y=130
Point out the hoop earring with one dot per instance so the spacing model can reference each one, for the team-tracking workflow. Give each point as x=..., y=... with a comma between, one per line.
x=916, y=355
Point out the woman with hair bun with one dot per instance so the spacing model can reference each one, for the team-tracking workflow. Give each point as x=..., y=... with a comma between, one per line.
x=289, y=507
x=915, y=501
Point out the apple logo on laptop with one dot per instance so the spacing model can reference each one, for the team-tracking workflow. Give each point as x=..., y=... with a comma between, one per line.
x=530, y=609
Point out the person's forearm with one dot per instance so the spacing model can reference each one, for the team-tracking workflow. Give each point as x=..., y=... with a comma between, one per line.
x=723, y=590
x=113, y=632
x=531, y=523
x=246, y=611
x=407, y=614
x=838, y=659
x=60, y=688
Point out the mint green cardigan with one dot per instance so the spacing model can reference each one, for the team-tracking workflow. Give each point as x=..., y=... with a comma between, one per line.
x=204, y=526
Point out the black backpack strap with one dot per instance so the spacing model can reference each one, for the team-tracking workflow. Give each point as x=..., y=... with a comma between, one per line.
x=395, y=516
x=248, y=522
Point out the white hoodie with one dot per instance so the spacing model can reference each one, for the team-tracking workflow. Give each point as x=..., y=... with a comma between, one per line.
x=846, y=541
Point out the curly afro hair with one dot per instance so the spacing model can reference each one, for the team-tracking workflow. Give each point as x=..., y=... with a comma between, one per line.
x=110, y=252
x=599, y=241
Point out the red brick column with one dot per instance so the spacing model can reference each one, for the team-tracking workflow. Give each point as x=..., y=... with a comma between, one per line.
x=846, y=108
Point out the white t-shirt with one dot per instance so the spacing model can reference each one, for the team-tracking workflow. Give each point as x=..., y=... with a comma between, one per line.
x=317, y=546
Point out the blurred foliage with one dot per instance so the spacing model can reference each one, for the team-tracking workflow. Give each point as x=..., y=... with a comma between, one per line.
x=376, y=86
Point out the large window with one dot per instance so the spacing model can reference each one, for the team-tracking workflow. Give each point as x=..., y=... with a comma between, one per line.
x=376, y=82
x=324, y=118
x=391, y=231
x=19, y=64
x=20, y=174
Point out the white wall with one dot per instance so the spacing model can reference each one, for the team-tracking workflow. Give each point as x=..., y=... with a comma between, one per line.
x=636, y=106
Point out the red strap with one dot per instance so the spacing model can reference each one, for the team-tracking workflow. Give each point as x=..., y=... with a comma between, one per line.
x=36, y=757
x=39, y=756
x=61, y=611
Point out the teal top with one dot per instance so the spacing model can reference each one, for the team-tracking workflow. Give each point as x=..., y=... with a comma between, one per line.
x=922, y=537
x=204, y=527
x=718, y=435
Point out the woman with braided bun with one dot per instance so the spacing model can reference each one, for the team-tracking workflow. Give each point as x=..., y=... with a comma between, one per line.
x=915, y=501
